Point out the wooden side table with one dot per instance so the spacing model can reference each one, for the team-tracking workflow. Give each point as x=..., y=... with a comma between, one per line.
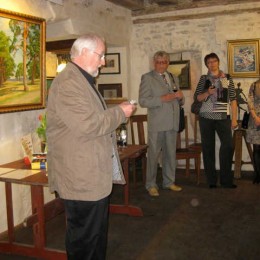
x=238, y=137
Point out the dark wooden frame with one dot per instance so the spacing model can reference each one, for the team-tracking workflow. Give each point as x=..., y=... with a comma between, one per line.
x=181, y=69
x=112, y=64
x=116, y=87
x=16, y=93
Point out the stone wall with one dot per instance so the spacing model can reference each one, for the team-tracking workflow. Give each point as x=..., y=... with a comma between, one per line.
x=194, y=39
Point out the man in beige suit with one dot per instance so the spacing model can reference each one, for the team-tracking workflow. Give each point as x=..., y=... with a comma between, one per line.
x=82, y=152
x=160, y=94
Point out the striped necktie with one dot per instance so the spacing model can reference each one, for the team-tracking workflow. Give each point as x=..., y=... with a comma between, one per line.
x=165, y=80
x=167, y=83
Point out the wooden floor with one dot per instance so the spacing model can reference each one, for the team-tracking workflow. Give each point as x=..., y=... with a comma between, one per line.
x=197, y=223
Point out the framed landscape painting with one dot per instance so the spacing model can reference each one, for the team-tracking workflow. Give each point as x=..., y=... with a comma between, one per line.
x=181, y=69
x=22, y=62
x=243, y=58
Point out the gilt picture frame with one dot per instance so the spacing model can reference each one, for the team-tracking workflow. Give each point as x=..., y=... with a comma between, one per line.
x=112, y=64
x=243, y=58
x=181, y=69
x=22, y=62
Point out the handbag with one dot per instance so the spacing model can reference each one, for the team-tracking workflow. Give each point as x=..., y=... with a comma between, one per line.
x=195, y=107
x=182, y=120
x=245, y=120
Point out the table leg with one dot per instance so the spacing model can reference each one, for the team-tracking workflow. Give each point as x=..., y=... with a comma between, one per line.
x=38, y=208
x=9, y=211
x=126, y=208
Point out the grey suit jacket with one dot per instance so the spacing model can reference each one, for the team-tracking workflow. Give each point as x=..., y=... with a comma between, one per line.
x=80, y=137
x=162, y=116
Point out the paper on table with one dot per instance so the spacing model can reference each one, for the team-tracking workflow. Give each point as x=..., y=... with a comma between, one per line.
x=19, y=174
x=5, y=170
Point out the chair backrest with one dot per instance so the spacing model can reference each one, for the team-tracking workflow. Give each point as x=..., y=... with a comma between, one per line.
x=139, y=121
x=185, y=132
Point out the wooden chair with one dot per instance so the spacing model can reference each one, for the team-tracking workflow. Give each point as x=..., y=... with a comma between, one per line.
x=188, y=153
x=138, y=137
x=196, y=145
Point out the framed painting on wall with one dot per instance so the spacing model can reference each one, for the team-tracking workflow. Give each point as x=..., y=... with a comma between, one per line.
x=110, y=90
x=243, y=58
x=112, y=64
x=22, y=62
x=181, y=69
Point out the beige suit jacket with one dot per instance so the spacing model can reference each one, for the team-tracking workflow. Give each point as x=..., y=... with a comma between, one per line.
x=80, y=137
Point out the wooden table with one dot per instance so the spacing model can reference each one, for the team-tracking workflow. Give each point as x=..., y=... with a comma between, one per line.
x=42, y=212
x=126, y=154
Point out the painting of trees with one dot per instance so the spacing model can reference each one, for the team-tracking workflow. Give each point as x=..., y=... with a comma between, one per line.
x=7, y=64
x=22, y=61
x=26, y=38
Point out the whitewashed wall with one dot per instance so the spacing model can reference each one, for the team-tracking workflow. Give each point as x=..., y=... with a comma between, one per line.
x=197, y=36
x=63, y=22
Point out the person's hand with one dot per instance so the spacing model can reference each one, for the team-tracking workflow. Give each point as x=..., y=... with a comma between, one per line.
x=171, y=96
x=168, y=97
x=211, y=90
x=179, y=95
x=127, y=108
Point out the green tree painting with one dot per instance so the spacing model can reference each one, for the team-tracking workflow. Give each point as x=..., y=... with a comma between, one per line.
x=22, y=61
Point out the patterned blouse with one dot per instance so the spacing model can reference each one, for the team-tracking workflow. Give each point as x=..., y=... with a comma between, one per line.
x=216, y=106
x=253, y=132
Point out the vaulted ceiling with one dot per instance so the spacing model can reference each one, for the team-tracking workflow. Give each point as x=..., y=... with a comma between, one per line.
x=141, y=7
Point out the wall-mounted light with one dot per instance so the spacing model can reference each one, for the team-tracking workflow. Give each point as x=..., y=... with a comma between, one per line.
x=61, y=66
x=62, y=59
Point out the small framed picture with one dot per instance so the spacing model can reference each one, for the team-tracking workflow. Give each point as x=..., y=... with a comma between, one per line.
x=112, y=64
x=243, y=58
x=109, y=91
x=181, y=69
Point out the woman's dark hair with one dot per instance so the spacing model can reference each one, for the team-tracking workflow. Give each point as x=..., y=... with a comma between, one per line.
x=212, y=55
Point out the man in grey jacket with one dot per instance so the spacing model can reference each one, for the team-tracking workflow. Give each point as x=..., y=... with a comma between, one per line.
x=82, y=151
x=160, y=93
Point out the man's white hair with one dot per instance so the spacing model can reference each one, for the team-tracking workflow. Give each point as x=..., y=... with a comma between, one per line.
x=89, y=41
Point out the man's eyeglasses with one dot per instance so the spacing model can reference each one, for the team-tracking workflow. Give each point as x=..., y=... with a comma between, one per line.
x=161, y=62
x=101, y=56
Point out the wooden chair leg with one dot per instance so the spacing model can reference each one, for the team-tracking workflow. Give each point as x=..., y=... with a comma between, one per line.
x=144, y=168
x=197, y=167
x=187, y=167
x=134, y=172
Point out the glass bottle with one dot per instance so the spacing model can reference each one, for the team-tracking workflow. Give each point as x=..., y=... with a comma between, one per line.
x=123, y=135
